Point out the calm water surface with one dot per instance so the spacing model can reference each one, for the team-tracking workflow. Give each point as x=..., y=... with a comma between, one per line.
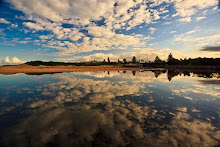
x=142, y=108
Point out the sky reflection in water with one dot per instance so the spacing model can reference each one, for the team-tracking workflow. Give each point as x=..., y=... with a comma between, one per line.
x=110, y=109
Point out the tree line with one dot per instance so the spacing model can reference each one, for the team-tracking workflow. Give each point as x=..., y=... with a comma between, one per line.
x=171, y=61
x=156, y=63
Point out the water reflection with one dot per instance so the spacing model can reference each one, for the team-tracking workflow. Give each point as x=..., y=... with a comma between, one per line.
x=133, y=108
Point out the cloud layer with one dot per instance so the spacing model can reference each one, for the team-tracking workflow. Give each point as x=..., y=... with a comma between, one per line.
x=100, y=25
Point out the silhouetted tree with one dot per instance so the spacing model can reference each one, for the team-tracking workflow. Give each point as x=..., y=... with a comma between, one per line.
x=124, y=60
x=119, y=61
x=104, y=61
x=170, y=57
x=108, y=60
x=157, y=60
x=134, y=60
x=172, y=61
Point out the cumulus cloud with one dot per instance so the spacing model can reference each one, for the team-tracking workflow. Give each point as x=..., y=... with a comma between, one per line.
x=116, y=14
x=211, y=49
x=34, y=26
x=187, y=8
x=14, y=60
x=7, y=60
x=2, y=20
x=45, y=37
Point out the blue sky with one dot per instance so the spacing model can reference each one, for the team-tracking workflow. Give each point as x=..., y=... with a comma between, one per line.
x=84, y=30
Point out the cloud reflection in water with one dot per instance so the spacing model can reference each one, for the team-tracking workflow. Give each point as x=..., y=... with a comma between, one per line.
x=95, y=109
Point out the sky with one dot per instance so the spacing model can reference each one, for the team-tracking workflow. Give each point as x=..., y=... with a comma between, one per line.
x=85, y=30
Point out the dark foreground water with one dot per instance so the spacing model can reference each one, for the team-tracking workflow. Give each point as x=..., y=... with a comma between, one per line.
x=141, y=108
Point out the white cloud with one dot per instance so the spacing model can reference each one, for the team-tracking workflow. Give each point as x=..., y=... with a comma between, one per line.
x=7, y=60
x=34, y=26
x=172, y=32
x=215, y=8
x=185, y=19
x=152, y=30
x=190, y=32
x=100, y=32
x=200, y=18
x=14, y=26
x=176, y=14
x=2, y=20
x=49, y=15
x=81, y=13
x=14, y=60
x=187, y=8
x=45, y=37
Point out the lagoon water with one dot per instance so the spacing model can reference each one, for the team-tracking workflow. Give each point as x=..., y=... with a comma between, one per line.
x=130, y=108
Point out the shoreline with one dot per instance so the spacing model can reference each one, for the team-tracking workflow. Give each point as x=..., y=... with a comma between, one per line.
x=23, y=68
x=28, y=69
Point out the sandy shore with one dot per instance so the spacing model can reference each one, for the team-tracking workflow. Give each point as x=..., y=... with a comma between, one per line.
x=23, y=68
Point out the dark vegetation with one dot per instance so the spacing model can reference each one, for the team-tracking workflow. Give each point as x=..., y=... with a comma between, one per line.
x=51, y=63
x=170, y=63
